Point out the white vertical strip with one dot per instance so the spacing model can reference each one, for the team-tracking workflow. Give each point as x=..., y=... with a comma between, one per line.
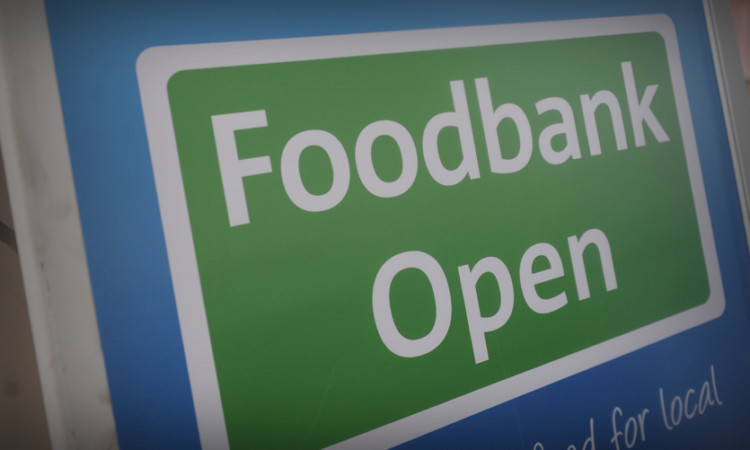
x=734, y=101
x=50, y=243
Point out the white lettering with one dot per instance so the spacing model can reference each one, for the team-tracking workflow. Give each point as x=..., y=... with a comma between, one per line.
x=292, y=179
x=460, y=120
x=577, y=247
x=233, y=169
x=567, y=128
x=478, y=325
x=529, y=278
x=491, y=118
x=640, y=110
x=363, y=158
x=589, y=106
x=381, y=304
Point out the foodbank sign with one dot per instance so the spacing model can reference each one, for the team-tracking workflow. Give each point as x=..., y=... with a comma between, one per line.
x=373, y=236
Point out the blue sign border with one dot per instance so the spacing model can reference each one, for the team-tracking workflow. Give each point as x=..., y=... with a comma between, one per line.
x=95, y=47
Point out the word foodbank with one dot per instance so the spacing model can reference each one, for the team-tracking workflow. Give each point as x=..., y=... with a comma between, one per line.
x=234, y=170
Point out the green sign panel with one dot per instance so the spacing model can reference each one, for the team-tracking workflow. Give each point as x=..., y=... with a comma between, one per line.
x=372, y=236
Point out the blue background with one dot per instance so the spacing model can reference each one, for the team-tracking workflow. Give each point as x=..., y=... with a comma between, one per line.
x=95, y=46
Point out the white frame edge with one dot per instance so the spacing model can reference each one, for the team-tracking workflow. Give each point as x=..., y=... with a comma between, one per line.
x=733, y=93
x=48, y=230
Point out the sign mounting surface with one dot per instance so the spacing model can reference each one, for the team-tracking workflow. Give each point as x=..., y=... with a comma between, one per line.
x=372, y=236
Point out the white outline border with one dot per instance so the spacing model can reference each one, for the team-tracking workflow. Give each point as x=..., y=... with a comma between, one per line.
x=155, y=67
